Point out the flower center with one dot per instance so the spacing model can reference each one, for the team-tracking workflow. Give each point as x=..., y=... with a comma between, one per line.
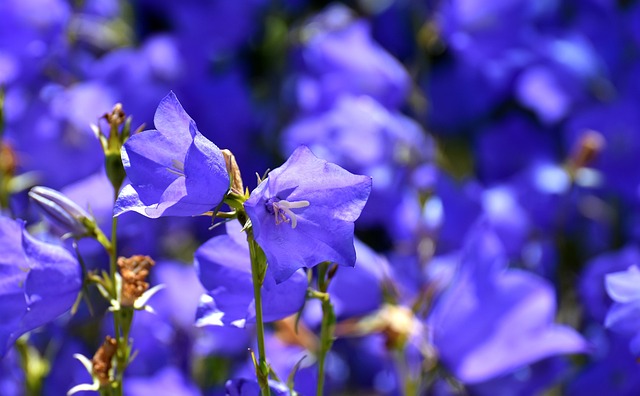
x=281, y=209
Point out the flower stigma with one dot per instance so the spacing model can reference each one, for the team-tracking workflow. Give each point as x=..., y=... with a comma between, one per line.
x=281, y=209
x=177, y=167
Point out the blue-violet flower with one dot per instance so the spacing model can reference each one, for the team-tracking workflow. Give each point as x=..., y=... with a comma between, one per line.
x=38, y=282
x=174, y=170
x=304, y=213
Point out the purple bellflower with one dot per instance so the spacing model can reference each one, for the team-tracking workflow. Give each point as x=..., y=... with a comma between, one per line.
x=38, y=282
x=174, y=170
x=304, y=213
x=493, y=320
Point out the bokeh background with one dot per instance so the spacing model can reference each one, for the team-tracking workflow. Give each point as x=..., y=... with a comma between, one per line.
x=503, y=138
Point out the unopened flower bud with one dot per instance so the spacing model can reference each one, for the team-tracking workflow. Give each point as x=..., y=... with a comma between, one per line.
x=119, y=132
x=62, y=212
x=234, y=172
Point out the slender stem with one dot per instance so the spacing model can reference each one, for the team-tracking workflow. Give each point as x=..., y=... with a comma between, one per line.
x=328, y=324
x=113, y=254
x=258, y=269
x=119, y=321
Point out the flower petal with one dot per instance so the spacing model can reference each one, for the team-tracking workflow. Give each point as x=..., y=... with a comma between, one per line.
x=624, y=286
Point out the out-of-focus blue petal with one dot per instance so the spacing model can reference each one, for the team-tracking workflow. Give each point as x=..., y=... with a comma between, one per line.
x=167, y=382
x=224, y=268
x=624, y=287
x=624, y=317
x=38, y=282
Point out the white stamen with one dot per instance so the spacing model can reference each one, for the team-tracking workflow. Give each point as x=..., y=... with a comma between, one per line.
x=284, y=214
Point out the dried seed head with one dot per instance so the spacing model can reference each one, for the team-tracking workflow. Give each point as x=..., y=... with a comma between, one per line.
x=134, y=271
x=102, y=360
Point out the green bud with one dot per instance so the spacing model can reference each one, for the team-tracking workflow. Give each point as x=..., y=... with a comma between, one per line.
x=62, y=212
x=119, y=132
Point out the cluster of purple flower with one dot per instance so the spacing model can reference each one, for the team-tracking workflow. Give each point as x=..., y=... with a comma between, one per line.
x=456, y=210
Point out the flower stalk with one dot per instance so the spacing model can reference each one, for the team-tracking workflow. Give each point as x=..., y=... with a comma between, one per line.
x=258, y=270
x=327, y=330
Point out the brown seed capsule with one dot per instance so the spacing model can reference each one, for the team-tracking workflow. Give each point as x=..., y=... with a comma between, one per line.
x=102, y=360
x=134, y=271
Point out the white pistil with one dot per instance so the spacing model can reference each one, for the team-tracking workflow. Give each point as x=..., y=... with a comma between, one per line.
x=284, y=214
x=178, y=167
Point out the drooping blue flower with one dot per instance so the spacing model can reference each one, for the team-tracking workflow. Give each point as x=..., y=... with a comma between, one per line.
x=493, y=321
x=174, y=170
x=38, y=282
x=304, y=213
x=224, y=267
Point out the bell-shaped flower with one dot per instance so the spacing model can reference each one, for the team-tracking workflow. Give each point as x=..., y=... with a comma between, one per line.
x=38, y=282
x=493, y=320
x=304, y=213
x=224, y=267
x=174, y=170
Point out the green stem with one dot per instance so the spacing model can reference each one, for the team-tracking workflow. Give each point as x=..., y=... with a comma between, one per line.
x=410, y=384
x=328, y=324
x=121, y=320
x=34, y=367
x=113, y=254
x=258, y=269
